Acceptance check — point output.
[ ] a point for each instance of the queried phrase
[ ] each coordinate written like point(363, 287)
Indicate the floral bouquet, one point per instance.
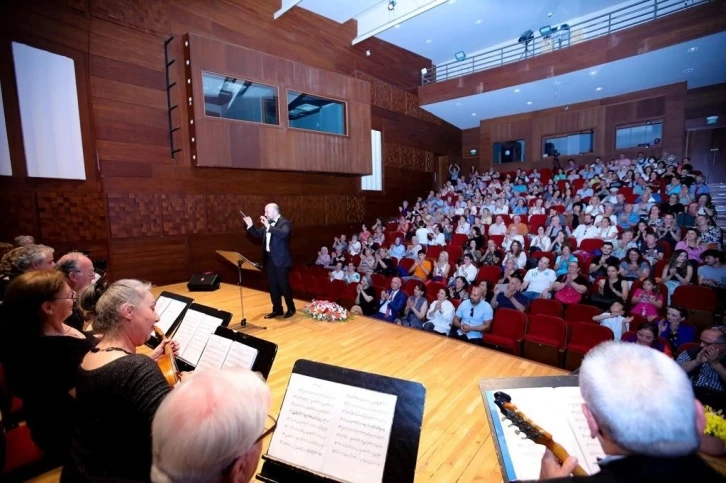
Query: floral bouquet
point(326, 311)
point(715, 423)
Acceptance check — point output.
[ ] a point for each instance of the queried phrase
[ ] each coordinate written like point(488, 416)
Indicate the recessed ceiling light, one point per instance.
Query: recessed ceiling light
point(687, 71)
point(593, 72)
point(557, 83)
point(598, 88)
point(452, 1)
point(458, 104)
point(549, 14)
point(473, 113)
point(529, 103)
point(398, 26)
point(428, 41)
point(516, 90)
point(693, 49)
point(479, 21)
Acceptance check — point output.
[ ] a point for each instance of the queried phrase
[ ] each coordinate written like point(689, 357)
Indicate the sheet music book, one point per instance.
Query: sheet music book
point(169, 309)
point(557, 410)
point(221, 352)
point(335, 429)
point(193, 333)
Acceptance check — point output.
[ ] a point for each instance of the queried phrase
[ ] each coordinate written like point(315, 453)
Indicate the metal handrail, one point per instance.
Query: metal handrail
point(622, 18)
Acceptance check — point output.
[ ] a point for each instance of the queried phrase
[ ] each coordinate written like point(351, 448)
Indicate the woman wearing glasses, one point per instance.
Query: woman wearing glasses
point(118, 390)
point(41, 354)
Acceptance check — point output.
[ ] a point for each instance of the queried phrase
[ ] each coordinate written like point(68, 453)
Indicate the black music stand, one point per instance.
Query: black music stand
point(242, 263)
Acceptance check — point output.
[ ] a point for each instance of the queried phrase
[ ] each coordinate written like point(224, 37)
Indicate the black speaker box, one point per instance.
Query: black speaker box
point(203, 282)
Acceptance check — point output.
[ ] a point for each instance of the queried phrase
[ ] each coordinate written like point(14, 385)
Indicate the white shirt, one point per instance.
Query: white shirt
point(337, 275)
point(463, 229)
point(441, 319)
point(615, 324)
point(268, 235)
point(613, 220)
point(469, 273)
point(438, 240)
point(542, 244)
point(501, 210)
point(384, 307)
point(508, 240)
point(539, 281)
point(354, 248)
point(583, 232)
point(498, 229)
point(423, 235)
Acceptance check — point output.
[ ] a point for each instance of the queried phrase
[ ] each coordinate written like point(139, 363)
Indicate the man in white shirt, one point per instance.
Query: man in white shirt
point(438, 237)
point(338, 273)
point(354, 246)
point(608, 213)
point(538, 281)
point(585, 230)
point(422, 233)
point(467, 270)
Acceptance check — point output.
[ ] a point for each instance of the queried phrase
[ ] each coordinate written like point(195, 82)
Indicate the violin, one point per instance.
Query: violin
point(531, 430)
point(167, 362)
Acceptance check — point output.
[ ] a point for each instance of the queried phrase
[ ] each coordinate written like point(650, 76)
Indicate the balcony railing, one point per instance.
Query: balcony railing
point(566, 36)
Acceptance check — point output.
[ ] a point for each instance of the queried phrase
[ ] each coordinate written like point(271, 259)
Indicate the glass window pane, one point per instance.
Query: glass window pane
point(571, 144)
point(305, 111)
point(231, 98)
point(509, 152)
point(622, 138)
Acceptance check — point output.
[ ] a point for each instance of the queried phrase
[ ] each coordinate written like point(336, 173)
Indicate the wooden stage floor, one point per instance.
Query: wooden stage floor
point(455, 441)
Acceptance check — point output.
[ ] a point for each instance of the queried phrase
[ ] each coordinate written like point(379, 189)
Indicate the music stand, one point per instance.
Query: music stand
point(242, 263)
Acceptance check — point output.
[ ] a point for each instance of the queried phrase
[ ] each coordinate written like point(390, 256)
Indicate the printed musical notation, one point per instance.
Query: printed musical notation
point(338, 430)
point(193, 333)
point(168, 310)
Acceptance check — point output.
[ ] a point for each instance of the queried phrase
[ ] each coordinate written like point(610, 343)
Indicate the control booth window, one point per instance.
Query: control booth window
point(641, 135)
point(509, 152)
point(306, 111)
point(568, 144)
point(242, 100)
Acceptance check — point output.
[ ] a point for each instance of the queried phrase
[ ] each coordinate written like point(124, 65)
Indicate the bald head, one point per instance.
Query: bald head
point(78, 270)
point(272, 211)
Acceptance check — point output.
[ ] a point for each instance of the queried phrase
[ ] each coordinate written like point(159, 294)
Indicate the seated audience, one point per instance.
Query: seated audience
point(413, 248)
point(647, 335)
point(511, 237)
point(570, 287)
point(706, 368)
point(516, 254)
point(421, 268)
point(615, 320)
point(211, 428)
point(440, 314)
point(414, 314)
point(365, 299)
point(563, 260)
point(367, 262)
point(117, 390)
point(713, 272)
point(41, 354)
point(466, 269)
point(538, 281)
point(354, 247)
point(392, 302)
point(383, 263)
point(673, 330)
point(678, 271)
point(338, 256)
point(651, 250)
point(647, 301)
point(397, 249)
point(610, 289)
point(337, 273)
point(340, 242)
point(634, 267)
point(441, 268)
point(691, 244)
point(509, 296)
point(498, 228)
point(492, 255)
point(351, 275)
point(540, 242)
point(586, 230)
point(460, 289)
point(709, 234)
point(472, 250)
point(599, 264)
point(473, 317)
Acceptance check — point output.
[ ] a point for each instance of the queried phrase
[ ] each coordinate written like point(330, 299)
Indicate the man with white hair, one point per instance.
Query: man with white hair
point(275, 234)
point(24, 240)
point(78, 270)
point(640, 406)
point(211, 427)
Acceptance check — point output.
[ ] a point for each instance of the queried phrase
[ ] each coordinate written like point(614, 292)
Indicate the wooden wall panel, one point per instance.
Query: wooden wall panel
point(706, 101)
point(161, 219)
point(691, 24)
point(601, 116)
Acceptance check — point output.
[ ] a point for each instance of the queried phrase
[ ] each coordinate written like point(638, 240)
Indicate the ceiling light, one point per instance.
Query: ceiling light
point(452, 1)
point(557, 83)
point(458, 104)
point(428, 41)
point(516, 90)
point(460, 55)
point(593, 72)
point(424, 71)
point(693, 49)
point(398, 26)
point(598, 88)
point(391, 4)
point(479, 21)
point(368, 53)
point(529, 103)
point(473, 113)
point(549, 14)
point(687, 71)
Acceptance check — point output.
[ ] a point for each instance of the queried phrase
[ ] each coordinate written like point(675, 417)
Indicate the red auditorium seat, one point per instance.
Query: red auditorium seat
point(410, 285)
point(336, 289)
point(22, 456)
point(459, 239)
point(699, 301)
point(406, 264)
point(349, 295)
point(490, 273)
point(507, 331)
point(583, 337)
point(433, 252)
point(322, 288)
point(545, 307)
point(545, 339)
point(581, 313)
point(686, 346)
point(380, 280)
point(454, 254)
point(497, 239)
point(535, 221)
point(591, 244)
point(432, 288)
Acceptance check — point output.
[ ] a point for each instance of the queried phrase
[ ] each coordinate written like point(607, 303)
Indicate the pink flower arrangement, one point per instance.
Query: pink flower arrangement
point(326, 311)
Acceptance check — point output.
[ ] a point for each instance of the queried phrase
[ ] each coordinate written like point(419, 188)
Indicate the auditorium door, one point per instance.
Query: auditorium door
point(706, 149)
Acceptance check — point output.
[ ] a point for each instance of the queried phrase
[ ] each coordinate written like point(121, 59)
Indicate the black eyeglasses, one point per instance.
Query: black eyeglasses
point(74, 296)
point(270, 425)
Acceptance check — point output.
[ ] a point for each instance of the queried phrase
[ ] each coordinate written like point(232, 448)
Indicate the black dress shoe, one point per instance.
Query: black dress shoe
point(289, 313)
point(272, 315)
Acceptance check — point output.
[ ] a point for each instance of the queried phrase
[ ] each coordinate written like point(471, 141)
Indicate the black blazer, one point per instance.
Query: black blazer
point(279, 254)
point(649, 469)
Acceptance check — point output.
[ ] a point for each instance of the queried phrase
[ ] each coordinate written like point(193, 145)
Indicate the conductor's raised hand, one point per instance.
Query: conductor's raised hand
point(246, 219)
point(264, 221)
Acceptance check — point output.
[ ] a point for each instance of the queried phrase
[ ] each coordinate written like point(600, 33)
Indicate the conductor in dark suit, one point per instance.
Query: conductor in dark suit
point(275, 234)
point(640, 405)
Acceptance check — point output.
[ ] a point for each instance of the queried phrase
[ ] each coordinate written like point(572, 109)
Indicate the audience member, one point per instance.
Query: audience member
point(417, 306)
point(713, 273)
point(673, 330)
point(440, 314)
point(365, 299)
point(570, 287)
point(615, 320)
point(538, 281)
point(706, 368)
point(460, 289)
point(473, 317)
point(337, 273)
point(392, 302)
point(647, 335)
point(509, 296)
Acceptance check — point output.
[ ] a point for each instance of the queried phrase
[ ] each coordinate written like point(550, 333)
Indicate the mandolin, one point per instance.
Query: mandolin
point(529, 429)
point(167, 362)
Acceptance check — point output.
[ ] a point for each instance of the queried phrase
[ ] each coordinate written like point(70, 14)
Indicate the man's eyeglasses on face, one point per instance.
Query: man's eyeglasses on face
point(270, 426)
point(89, 273)
point(705, 343)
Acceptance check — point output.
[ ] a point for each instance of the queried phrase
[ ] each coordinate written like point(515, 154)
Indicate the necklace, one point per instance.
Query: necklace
point(109, 349)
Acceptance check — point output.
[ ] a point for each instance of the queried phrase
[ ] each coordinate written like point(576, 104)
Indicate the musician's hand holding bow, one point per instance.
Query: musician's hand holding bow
point(159, 350)
point(551, 467)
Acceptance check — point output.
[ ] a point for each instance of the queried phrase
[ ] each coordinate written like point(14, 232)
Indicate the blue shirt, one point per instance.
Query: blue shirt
point(397, 251)
point(481, 313)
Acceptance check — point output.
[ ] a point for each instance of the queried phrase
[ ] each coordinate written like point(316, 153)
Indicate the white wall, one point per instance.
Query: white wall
point(374, 181)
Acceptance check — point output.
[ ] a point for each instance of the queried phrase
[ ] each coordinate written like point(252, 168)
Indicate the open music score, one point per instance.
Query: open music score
point(335, 429)
point(169, 310)
point(559, 412)
point(222, 353)
point(193, 333)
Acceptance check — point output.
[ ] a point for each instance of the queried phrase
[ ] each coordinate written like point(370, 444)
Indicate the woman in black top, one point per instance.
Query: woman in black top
point(609, 289)
point(117, 390)
point(365, 299)
point(41, 354)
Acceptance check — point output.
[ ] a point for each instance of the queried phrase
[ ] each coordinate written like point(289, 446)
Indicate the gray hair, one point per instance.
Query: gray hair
point(22, 258)
point(68, 263)
point(642, 398)
point(24, 240)
point(221, 414)
point(124, 292)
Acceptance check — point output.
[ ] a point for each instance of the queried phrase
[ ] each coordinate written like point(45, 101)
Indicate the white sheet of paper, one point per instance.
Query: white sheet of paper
point(187, 327)
point(169, 312)
point(215, 353)
point(240, 355)
point(195, 347)
point(338, 430)
point(554, 410)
